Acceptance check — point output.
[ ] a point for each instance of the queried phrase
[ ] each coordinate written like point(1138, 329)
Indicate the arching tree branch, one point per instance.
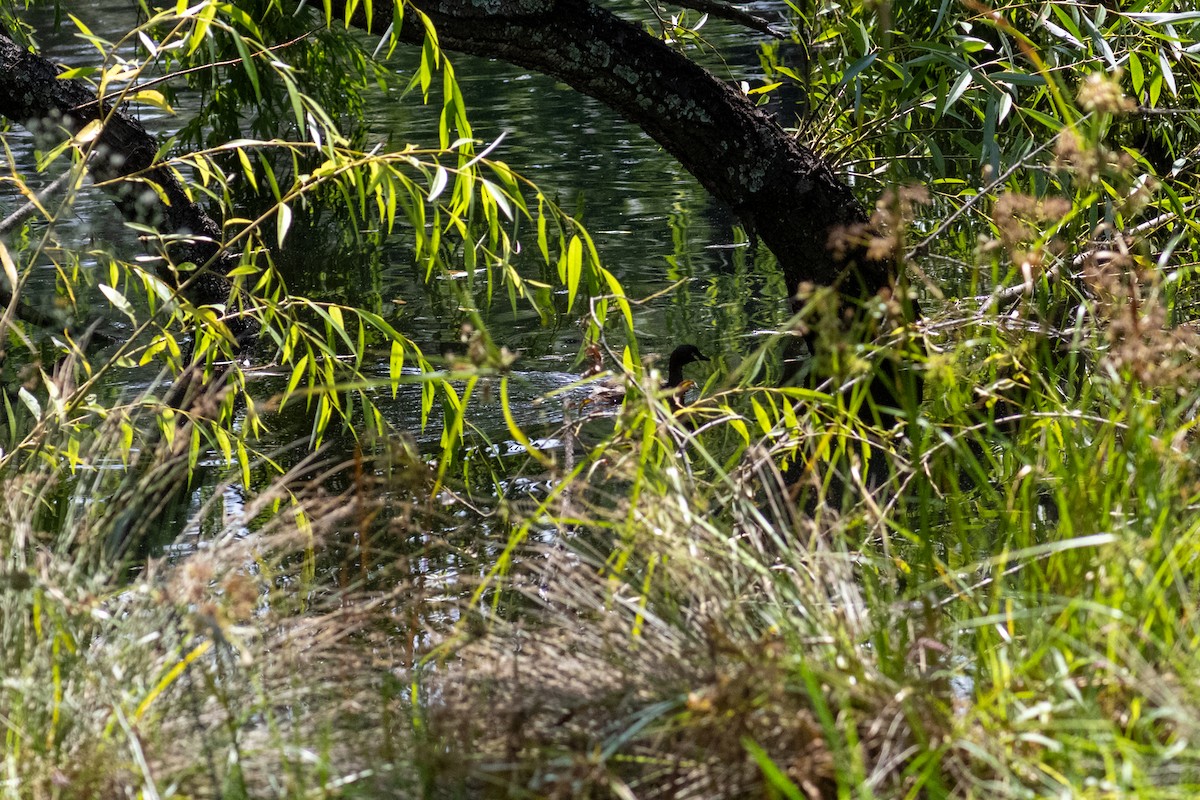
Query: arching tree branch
point(782, 191)
point(715, 8)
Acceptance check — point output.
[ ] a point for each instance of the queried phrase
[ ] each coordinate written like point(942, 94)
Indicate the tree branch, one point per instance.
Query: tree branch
point(783, 192)
point(32, 95)
point(714, 8)
point(34, 204)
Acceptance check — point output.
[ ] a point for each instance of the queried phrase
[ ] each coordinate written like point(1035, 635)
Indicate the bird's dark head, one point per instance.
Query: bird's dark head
point(680, 357)
point(687, 353)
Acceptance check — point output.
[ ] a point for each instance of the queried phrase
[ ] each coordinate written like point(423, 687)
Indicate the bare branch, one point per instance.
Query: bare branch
point(35, 203)
point(714, 8)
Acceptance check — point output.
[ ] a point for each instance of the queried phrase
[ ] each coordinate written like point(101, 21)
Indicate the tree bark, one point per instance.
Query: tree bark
point(784, 193)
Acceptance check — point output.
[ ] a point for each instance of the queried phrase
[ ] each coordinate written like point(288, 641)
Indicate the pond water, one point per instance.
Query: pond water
point(653, 225)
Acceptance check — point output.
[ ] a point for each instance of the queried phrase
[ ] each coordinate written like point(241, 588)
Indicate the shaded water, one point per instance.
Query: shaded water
point(653, 225)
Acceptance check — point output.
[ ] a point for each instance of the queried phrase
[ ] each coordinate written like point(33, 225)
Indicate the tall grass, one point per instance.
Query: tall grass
point(1009, 614)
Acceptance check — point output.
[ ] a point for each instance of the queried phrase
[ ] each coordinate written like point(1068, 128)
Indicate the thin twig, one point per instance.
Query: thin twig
point(731, 13)
point(946, 223)
point(1164, 112)
point(1004, 296)
point(35, 203)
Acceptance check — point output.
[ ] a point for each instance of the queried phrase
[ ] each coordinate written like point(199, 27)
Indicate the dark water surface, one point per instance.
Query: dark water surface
point(654, 227)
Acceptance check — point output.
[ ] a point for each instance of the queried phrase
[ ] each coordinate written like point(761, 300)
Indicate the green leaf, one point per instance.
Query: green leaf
point(543, 244)
point(396, 365)
point(194, 450)
point(298, 373)
point(84, 29)
point(1071, 37)
point(497, 194)
point(1136, 75)
point(775, 777)
point(574, 269)
point(425, 70)
point(153, 98)
point(858, 36)
point(117, 299)
point(858, 66)
point(77, 72)
point(739, 425)
point(1163, 18)
point(248, 65)
point(760, 414)
point(1167, 74)
point(297, 101)
point(956, 91)
point(30, 402)
point(1052, 123)
point(765, 89)
point(244, 463)
point(208, 12)
point(618, 291)
point(515, 429)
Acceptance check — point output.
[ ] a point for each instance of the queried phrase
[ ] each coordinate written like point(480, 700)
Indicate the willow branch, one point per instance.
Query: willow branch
point(714, 8)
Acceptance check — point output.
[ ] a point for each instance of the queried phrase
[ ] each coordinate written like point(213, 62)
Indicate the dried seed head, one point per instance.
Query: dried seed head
point(1101, 94)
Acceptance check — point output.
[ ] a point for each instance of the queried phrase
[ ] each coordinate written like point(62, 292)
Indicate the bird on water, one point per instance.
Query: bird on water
point(675, 383)
point(680, 357)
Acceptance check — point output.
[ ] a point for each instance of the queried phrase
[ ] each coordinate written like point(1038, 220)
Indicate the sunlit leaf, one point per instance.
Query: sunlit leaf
point(1167, 74)
point(1136, 75)
point(117, 299)
point(10, 268)
point(204, 18)
point(574, 269)
point(760, 414)
point(153, 98)
point(284, 213)
point(30, 402)
point(497, 194)
point(89, 132)
point(440, 178)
